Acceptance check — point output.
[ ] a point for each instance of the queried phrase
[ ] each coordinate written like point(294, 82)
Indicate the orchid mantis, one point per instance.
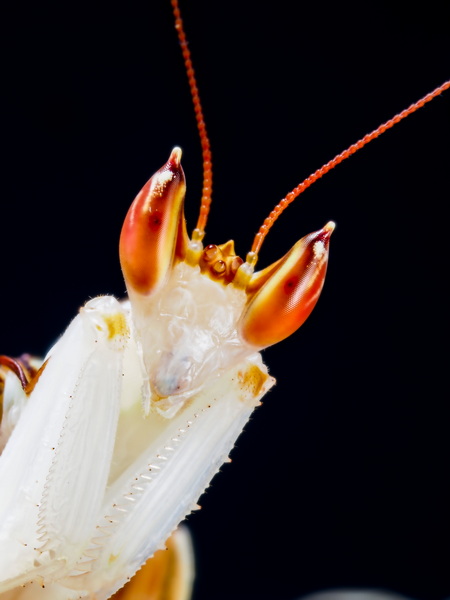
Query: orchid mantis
point(364, 208)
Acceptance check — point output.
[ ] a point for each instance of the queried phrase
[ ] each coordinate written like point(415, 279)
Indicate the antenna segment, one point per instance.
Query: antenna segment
point(284, 203)
point(204, 139)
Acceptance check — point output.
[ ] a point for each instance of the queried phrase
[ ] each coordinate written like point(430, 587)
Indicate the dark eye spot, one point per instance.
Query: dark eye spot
point(155, 220)
point(290, 284)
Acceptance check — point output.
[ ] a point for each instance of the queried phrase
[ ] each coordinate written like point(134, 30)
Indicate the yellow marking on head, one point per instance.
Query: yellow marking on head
point(252, 380)
point(117, 325)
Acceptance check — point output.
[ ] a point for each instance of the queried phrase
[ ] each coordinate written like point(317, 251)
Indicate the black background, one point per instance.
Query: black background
point(341, 477)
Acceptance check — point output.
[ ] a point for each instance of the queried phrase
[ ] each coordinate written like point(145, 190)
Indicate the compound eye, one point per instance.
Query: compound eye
point(283, 295)
point(154, 229)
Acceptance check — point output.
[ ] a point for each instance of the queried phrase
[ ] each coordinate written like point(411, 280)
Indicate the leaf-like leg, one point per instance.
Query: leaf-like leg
point(55, 465)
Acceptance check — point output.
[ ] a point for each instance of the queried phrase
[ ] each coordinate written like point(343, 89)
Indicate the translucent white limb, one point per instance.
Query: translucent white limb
point(147, 501)
point(54, 468)
point(91, 488)
point(169, 575)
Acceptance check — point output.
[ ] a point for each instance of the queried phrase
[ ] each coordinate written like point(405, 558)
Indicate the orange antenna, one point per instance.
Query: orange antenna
point(204, 139)
point(284, 203)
